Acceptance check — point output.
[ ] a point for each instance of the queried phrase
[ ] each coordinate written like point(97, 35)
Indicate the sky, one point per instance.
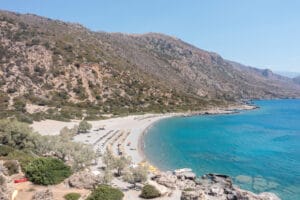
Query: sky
point(258, 33)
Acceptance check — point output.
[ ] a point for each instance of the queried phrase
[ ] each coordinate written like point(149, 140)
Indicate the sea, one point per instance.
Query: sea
point(259, 149)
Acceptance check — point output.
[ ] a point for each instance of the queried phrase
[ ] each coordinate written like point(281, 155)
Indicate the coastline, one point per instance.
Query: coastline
point(214, 111)
point(129, 131)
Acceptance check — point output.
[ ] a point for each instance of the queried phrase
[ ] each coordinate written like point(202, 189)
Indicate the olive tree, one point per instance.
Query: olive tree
point(17, 134)
point(136, 175)
point(120, 163)
point(108, 159)
point(84, 126)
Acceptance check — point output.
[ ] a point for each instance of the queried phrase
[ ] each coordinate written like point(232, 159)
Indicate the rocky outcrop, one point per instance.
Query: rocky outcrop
point(6, 187)
point(3, 169)
point(208, 187)
point(83, 180)
point(192, 195)
point(43, 195)
point(185, 174)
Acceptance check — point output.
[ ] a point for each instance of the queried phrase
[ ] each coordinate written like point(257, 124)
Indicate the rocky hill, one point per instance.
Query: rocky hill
point(54, 69)
point(297, 79)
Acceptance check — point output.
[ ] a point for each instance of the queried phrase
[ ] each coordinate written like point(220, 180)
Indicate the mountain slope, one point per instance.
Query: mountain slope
point(60, 70)
point(297, 79)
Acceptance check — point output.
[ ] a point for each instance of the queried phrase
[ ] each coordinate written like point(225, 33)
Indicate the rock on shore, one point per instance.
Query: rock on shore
point(208, 187)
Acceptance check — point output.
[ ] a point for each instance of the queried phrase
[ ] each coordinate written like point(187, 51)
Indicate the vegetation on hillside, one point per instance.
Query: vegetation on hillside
point(105, 192)
point(56, 70)
point(84, 126)
point(19, 142)
point(47, 171)
point(72, 196)
point(149, 192)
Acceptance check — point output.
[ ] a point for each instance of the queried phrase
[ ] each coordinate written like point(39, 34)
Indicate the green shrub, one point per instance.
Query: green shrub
point(105, 192)
point(47, 171)
point(72, 196)
point(5, 150)
point(17, 134)
point(84, 126)
point(149, 192)
point(12, 166)
point(24, 157)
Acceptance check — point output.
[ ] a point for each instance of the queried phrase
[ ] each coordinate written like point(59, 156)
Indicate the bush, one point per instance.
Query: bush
point(136, 175)
point(80, 155)
point(105, 192)
point(47, 171)
point(84, 126)
point(149, 192)
point(17, 134)
point(5, 150)
point(72, 196)
point(19, 142)
point(24, 157)
point(12, 166)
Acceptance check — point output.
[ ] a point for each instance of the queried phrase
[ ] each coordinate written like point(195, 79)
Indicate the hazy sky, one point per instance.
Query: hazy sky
point(260, 33)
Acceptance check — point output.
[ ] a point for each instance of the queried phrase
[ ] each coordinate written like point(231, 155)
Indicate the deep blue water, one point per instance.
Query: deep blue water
point(260, 149)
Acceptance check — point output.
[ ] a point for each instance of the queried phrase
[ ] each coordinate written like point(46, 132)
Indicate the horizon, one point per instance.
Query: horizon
point(262, 42)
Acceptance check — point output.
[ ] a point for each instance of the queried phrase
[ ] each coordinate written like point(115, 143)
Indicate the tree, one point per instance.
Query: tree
point(84, 126)
point(113, 162)
point(108, 159)
point(47, 171)
point(107, 177)
point(68, 133)
point(17, 134)
point(120, 163)
point(136, 175)
point(78, 155)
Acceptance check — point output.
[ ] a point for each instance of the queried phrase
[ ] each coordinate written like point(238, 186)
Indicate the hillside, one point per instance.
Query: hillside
point(53, 69)
point(297, 79)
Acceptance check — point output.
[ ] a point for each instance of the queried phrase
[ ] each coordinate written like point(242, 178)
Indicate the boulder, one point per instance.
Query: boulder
point(166, 179)
point(192, 195)
point(6, 187)
point(186, 184)
point(185, 173)
point(3, 169)
point(84, 180)
point(43, 195)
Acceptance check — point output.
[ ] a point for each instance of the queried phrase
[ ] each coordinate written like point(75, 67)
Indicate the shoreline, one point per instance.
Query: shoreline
point(127, 132)
point(215, 111)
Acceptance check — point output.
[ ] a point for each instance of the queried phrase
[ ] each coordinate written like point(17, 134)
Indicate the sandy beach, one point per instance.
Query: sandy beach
point(124, 135)
point(115, 133)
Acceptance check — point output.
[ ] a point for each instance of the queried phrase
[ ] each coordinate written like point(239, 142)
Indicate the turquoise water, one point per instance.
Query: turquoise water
point(260, 149)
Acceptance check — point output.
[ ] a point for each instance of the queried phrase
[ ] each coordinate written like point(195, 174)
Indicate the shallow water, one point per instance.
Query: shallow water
point(260, 149)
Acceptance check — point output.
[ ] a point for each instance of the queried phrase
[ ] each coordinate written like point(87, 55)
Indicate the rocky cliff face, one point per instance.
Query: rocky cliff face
point(54, 69)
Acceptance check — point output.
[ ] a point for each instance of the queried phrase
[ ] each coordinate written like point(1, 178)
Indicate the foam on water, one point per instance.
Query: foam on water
point(260, 149)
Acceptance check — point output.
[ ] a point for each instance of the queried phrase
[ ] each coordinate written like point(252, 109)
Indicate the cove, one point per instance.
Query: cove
point(259, 149)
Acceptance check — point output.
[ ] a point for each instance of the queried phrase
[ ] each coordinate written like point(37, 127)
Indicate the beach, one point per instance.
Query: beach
point(123, 135)
point(125, 132)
